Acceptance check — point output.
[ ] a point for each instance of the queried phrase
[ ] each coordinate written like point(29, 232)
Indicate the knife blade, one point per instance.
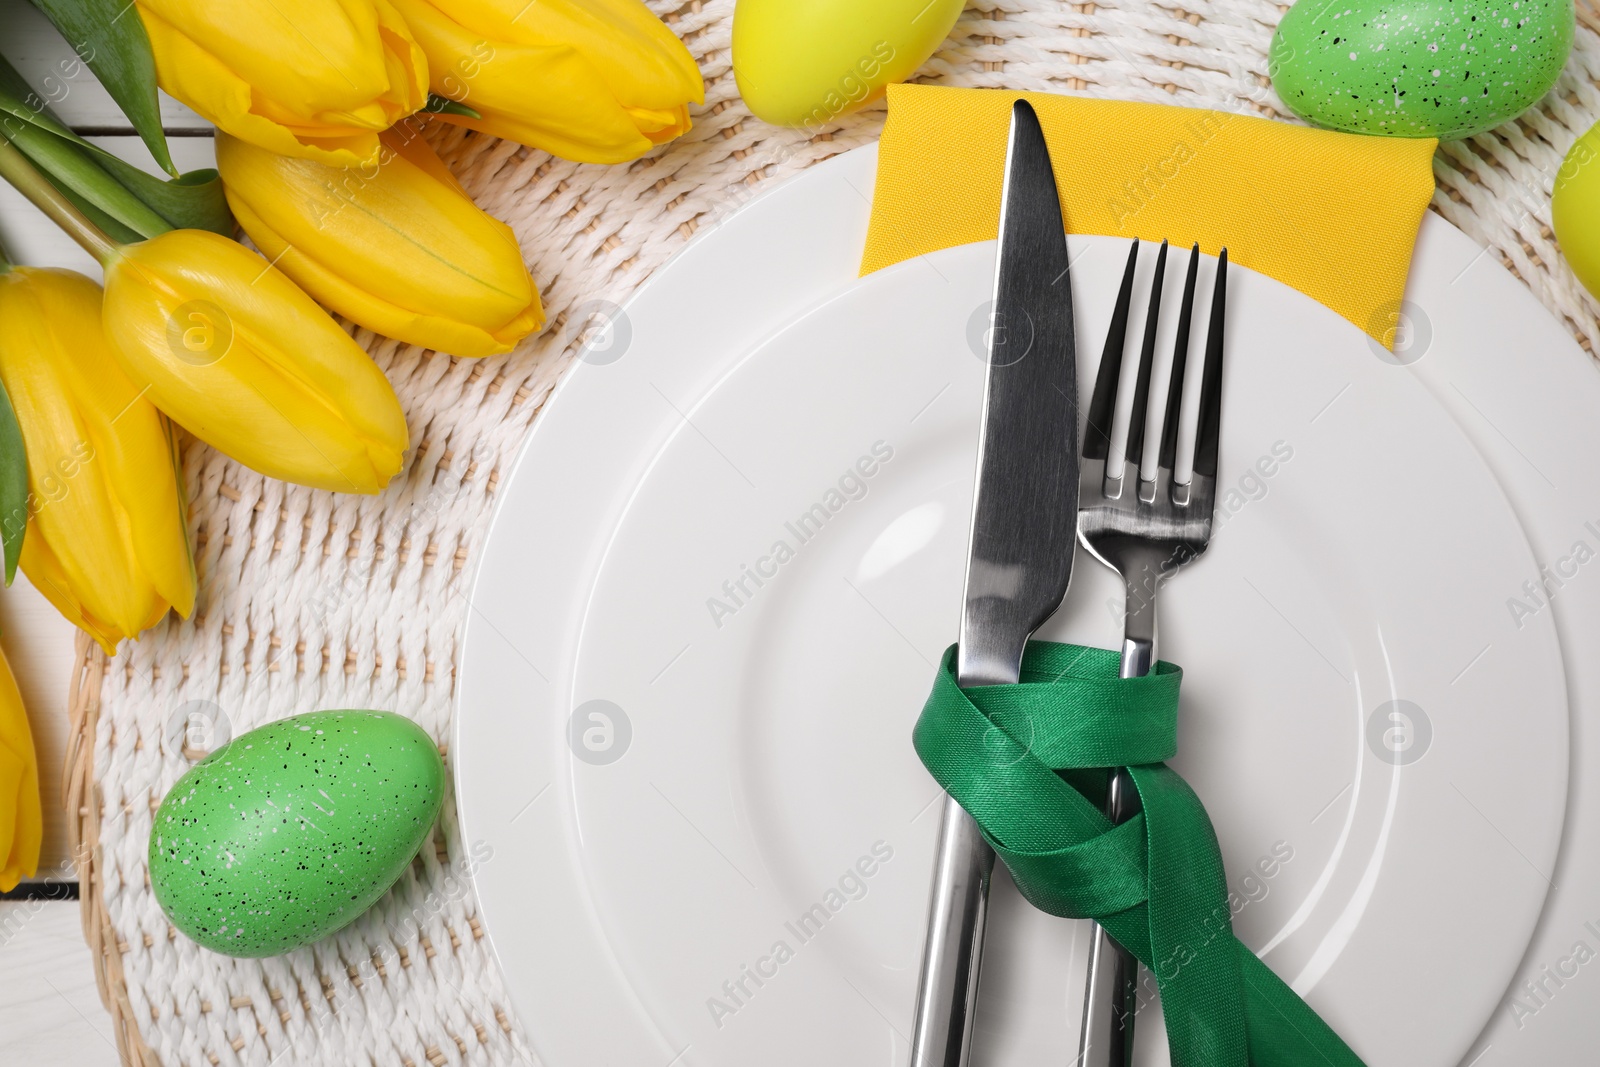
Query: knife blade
point(1023, 537)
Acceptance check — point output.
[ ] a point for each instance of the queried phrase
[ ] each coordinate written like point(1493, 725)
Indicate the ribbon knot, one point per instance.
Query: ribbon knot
point(1028, 762)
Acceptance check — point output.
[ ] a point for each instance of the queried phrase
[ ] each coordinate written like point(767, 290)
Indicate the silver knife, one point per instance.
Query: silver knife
point(1024, 528)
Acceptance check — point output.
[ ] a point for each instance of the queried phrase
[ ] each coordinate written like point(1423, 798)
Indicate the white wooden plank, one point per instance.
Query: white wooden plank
point(49, 64)
point(50, 1011)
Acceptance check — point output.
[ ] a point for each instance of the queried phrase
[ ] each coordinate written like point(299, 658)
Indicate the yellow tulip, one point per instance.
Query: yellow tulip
point(398, 247)
point(598, 81)
point(106, 540)
point(21, 821)
point(310, 79)
point(235, 353)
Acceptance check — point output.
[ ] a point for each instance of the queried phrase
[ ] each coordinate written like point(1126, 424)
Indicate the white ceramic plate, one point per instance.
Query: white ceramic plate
point(672, 771)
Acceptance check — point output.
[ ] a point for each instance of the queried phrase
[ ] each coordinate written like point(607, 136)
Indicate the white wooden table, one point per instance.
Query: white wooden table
point(50, 1012)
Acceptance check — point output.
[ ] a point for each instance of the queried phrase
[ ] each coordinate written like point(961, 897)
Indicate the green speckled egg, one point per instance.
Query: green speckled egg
point(1419, 68)
point(290, 831)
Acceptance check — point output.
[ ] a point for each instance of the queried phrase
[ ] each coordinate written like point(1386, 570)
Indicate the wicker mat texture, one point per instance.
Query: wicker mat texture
point(310, 600)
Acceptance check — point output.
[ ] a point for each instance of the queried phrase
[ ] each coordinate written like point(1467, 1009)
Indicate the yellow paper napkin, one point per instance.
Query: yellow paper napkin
point(1334, 215)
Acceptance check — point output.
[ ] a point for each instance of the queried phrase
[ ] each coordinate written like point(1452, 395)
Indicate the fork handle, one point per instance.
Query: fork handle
point(947, 990)
point(1111, 991)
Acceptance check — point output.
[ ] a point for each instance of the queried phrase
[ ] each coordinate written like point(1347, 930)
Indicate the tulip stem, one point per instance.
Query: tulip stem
point(16, 169)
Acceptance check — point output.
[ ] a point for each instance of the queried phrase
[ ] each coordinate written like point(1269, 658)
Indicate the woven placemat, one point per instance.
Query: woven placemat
point(310, 600)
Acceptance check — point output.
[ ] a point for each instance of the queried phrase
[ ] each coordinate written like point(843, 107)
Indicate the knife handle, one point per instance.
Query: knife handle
point(947, 990)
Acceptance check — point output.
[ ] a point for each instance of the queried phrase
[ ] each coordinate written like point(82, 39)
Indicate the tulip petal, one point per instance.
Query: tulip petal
point(429, 331)
point(661, 126)
point(276, 384)
point(639, 58)
point(107, 545)
point(21, 813)
point(309, 57)
point(195, 77)
point(398, 248)
point(173, 573)
point(316, 81)
point(539, 90)
point(407, 64)
point(406, 142)
point(46, 574)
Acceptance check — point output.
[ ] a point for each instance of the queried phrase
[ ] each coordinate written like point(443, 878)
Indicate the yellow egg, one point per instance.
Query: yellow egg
point(1575, 209)
point(804, 62)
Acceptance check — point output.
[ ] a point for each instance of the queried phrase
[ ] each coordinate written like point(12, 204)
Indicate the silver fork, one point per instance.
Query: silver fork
point(1144, 530)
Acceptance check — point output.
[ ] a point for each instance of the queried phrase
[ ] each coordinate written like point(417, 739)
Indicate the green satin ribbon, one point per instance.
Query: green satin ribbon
point(1029, 762)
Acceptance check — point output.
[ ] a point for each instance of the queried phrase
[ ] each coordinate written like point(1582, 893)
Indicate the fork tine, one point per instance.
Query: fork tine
point(1205, 452)
point(1103, 404)
point(1180, 356)
point(1134, 453)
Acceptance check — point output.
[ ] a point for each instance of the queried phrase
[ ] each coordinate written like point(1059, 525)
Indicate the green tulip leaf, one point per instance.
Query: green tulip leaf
point(191, 201)
point(106, 224)
point(141, 204)
point(440, 105)
point(75, 172)
point(109, 36)
point(13, 485)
